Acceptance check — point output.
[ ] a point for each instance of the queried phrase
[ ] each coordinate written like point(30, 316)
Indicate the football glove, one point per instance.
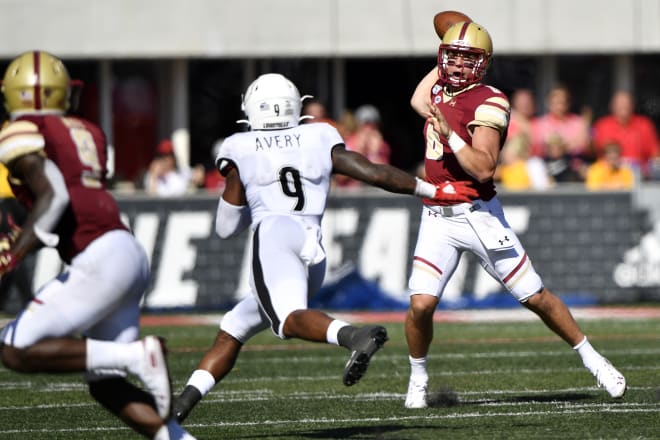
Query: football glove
point(455, 192)
point(7, 262)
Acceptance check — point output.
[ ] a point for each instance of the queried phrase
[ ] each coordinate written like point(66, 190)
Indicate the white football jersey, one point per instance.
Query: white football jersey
point(284, 172)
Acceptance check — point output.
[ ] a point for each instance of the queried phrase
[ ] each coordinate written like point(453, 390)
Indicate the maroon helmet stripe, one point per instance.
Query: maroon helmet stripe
point(37, 82)
point(464, 30)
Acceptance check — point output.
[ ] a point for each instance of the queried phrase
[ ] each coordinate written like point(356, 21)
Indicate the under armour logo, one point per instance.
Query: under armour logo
point(506, 238)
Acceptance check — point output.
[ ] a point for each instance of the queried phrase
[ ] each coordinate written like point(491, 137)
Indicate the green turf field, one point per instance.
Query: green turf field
point(505, 380)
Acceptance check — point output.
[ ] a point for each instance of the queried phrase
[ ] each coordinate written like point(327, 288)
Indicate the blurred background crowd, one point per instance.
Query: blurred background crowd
point(550, 142)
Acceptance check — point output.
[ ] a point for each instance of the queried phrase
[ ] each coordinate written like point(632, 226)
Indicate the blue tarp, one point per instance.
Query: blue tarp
point(353, 292)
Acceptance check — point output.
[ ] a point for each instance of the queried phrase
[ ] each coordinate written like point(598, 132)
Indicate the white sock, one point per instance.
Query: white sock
point(418, 368)
point(333, 329)
point(588, 354)
point(202, 380)
point(112, 355)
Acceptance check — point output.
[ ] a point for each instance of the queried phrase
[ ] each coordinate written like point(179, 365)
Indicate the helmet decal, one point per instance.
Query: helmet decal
point(272, 102)
point(36, 82)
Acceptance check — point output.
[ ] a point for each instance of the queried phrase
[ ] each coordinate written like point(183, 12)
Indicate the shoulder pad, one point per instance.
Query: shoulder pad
point(20, 138)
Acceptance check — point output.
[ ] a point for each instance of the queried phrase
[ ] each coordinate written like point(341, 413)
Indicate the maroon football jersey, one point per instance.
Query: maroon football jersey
point(473, 106)
point(78, 148)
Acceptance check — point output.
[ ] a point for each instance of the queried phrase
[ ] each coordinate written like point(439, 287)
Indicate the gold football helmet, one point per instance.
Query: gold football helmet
point(36, 82)
point(471, 42)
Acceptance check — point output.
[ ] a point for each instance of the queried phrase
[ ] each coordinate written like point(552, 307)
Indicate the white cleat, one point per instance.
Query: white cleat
point(153, 372)
point(416, 397)
point(610, 378)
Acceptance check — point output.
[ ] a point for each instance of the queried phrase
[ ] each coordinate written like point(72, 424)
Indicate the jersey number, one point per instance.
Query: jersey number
point(87, 153)
point(292, 186)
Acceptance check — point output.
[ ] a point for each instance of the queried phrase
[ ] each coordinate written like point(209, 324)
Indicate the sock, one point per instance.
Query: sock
point(202, 380)
point(588, 354)
point(172, 430)
point(162, 434)
point(418, 367)
point(112, 355)
point(332, 333)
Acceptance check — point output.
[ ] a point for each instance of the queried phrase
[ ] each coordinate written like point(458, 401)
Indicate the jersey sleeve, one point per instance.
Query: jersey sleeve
point(331, 136)
point(493, 112)
point(225, 161)
point(18, 139)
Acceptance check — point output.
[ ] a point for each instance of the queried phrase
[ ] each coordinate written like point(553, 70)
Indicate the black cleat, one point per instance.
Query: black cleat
point(367, 341)
point(182, 405)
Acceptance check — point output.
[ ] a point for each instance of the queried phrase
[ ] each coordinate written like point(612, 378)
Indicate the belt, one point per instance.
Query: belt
point(454, 210)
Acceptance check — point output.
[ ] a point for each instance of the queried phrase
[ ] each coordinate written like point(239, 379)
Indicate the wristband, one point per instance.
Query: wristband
point(455, 142)
point(424, 189)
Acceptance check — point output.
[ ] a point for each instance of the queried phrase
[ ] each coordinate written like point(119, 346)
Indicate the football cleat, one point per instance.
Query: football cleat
point(153, 372)
point(610, 378)
point(416, 396)
point(367, 341)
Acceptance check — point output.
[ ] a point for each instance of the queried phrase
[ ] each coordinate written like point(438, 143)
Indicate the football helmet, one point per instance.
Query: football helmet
point(473, 44)
point(36, 82)
point(272, 102)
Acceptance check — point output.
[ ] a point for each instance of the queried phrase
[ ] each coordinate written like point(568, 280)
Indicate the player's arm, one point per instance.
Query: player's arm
point(357, 166)
point(233, 214)
point(46, 182)
point(479, 159)
point(421, 98)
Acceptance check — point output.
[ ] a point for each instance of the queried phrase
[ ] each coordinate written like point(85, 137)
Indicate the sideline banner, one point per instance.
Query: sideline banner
point(595, 245)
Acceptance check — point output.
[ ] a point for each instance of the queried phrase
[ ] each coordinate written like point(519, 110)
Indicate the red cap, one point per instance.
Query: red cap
point(165, 147)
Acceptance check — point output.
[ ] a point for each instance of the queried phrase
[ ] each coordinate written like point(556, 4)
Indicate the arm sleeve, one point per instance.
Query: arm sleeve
point(231, 219)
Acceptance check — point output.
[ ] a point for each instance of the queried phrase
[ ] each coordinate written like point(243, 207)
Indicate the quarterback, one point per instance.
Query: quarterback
point(465, 129)
point(278, 180)
point(57, 168)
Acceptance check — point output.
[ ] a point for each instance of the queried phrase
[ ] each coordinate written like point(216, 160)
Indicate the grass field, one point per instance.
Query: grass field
point(491, 380)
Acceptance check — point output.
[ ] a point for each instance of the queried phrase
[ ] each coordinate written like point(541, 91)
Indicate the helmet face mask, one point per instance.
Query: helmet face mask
point(36, 82)
point(272, 102)
point(470, 43)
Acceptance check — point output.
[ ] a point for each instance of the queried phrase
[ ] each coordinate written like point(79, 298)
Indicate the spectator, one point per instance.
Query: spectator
point(347, 125)
point(316, 111)
point(610, 172)
point(523, 108)
point(571, 128)
point(165, 178)
point(636, 134)
point(558, 162)
point(518, 171)
point(366, 140)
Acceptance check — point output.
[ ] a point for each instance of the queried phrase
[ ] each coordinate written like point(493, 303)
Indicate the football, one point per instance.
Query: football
point(445, 19)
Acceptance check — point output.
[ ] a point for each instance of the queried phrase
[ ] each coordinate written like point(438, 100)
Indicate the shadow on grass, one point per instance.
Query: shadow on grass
point(446, 397)
point(559, 397)
point(389, 432)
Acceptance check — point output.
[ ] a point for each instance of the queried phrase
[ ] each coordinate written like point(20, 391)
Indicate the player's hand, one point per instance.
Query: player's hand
point(455, 192)
point(438, 121)
point(7, 262)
